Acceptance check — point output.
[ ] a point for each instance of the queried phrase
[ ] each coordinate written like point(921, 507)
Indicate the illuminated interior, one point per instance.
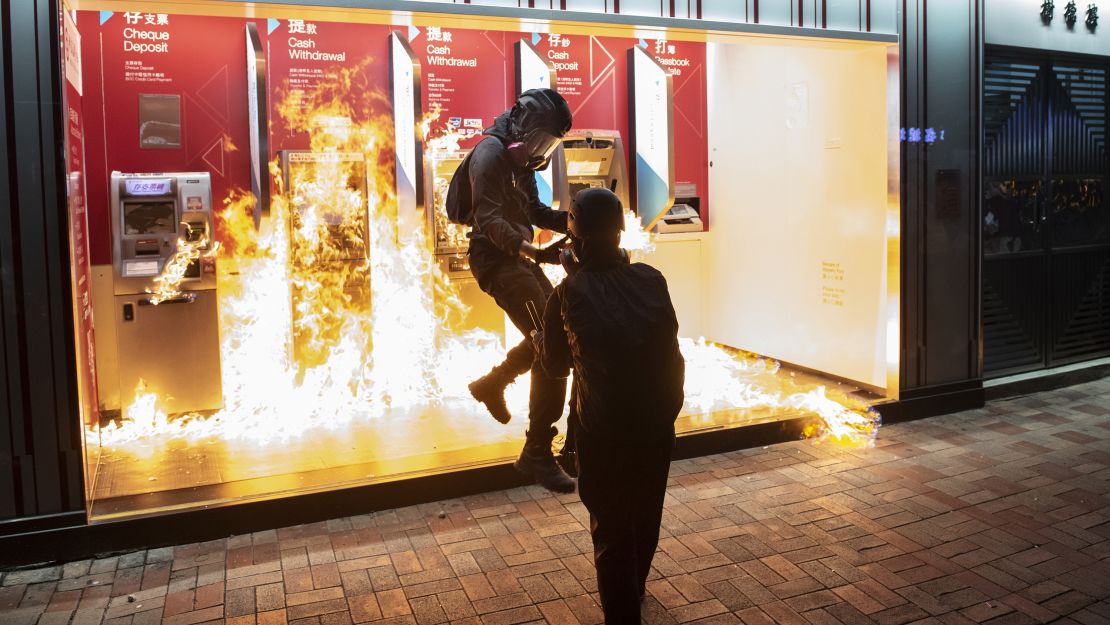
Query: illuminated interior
point(327, 339)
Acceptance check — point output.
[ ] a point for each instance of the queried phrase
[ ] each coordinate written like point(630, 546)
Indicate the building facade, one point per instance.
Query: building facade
point(829, 151)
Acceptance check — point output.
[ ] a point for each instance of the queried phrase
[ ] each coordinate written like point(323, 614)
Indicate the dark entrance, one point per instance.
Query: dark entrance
point(1046, 248)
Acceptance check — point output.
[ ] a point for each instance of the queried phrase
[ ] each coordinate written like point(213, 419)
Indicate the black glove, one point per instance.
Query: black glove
point(549, 255)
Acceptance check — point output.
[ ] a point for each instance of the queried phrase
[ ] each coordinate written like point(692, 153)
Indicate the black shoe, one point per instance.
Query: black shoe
point(490, 390)
point(569, 461)
point(542, 468)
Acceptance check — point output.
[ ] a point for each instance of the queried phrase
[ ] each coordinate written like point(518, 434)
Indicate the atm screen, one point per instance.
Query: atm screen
point(149, 218)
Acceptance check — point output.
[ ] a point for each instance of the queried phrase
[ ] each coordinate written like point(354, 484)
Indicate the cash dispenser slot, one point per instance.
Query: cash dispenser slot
point(148, 247)
point(195, 230)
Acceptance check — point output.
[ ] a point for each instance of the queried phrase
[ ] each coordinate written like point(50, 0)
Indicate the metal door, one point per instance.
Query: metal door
point(1046, 248)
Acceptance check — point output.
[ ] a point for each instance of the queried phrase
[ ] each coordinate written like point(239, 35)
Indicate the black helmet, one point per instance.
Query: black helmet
point(541, 109)
point(595, 212)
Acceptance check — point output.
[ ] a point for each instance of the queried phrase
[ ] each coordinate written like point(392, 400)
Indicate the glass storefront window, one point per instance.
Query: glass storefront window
point(248, 347)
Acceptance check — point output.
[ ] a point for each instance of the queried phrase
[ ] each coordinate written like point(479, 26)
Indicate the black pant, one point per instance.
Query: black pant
point(513, 283)
point(622, 484)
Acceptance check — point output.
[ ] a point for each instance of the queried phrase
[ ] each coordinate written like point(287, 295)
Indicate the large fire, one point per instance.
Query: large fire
point(312, 341)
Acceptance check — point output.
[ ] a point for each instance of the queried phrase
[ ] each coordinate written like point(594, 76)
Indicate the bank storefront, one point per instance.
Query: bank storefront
point(268, 316)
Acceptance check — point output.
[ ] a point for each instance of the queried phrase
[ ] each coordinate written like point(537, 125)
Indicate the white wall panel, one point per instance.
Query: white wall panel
point(777, 12)
point(586, 6)
point(884, 16)
point(500, 3)
point(643, 7)
point(796, 259)
point(844, 14)
point(727, 10)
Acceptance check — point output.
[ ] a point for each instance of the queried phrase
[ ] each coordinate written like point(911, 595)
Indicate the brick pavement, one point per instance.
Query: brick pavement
point(998, 515)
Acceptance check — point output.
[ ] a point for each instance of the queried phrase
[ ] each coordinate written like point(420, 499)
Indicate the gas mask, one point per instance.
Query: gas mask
point(594, 222)
point(571, 256)
point(534, 150)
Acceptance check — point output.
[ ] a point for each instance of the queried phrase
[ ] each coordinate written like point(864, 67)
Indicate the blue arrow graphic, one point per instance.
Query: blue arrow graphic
point(414, 32)
point(271, 25)
point(105, 16)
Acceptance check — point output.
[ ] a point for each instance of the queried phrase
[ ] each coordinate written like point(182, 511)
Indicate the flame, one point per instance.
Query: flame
point(719, 379)
point(167, 285)
point(144, 414)
point(330, 317)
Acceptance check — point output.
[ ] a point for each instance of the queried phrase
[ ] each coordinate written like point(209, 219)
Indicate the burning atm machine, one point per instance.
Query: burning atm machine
point(329, 245)
point(594, 158)
point(450, 244)
point(169, 340)
point(449, 239)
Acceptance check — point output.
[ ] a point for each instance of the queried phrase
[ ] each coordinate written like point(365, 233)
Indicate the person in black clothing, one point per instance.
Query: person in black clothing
point(506, 264)
point(613, 322)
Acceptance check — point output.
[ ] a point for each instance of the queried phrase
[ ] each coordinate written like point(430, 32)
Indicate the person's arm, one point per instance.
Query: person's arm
point(555, 353)
point(488, 179)
point(540, 214)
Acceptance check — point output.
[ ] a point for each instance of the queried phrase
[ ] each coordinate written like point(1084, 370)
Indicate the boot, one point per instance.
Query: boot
point(537, 461)
point(490, 390)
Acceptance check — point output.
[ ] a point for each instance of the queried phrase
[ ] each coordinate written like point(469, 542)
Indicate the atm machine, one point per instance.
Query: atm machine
point(450, 243)
point(594, 158)
point(683, 216)
point(172, 346)
point(340, 260)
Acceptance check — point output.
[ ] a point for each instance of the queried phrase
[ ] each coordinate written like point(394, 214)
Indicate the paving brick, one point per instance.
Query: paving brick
point(997, 515)
point(696, 611)
point(393, 603)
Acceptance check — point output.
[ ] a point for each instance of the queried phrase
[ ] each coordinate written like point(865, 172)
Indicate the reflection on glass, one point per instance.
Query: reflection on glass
point(159, 120)
point(1010, 216)
point(148, 218)
point(1078, 207)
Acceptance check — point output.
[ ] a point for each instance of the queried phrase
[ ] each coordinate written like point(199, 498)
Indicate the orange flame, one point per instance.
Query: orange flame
point(375, 337)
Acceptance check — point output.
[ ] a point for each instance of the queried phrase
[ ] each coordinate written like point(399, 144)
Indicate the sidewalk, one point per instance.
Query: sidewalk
point(1000, 515)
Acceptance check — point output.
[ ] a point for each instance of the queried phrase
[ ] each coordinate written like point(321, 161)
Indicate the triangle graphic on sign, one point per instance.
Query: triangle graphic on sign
point(642, 44)
point(596, 58)
point(105, 16)
point(214, 93)
point(414, 32)
point(535, 39)
point(699, 127)
point(500, 47)
point(214, 156)
point(271, 25)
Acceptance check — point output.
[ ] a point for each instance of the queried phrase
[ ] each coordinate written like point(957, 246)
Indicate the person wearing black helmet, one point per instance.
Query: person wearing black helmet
point(614, 323)
point(504, 261)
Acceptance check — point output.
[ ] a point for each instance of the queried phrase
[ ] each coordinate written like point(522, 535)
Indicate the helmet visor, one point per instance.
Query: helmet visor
point(540, 145)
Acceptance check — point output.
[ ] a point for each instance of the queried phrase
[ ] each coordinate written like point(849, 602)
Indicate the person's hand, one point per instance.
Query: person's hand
point(537, 340)
point(549, 254)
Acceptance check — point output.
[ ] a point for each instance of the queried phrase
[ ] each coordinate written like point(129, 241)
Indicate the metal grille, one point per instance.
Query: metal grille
point(1046, 269)
point(1013, 119)
point(1013, 322)
point(1078, 120)
point(1081, 306)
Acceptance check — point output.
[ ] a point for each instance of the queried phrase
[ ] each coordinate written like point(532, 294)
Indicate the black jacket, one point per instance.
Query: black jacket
point(506, 202)
point(615, 324)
